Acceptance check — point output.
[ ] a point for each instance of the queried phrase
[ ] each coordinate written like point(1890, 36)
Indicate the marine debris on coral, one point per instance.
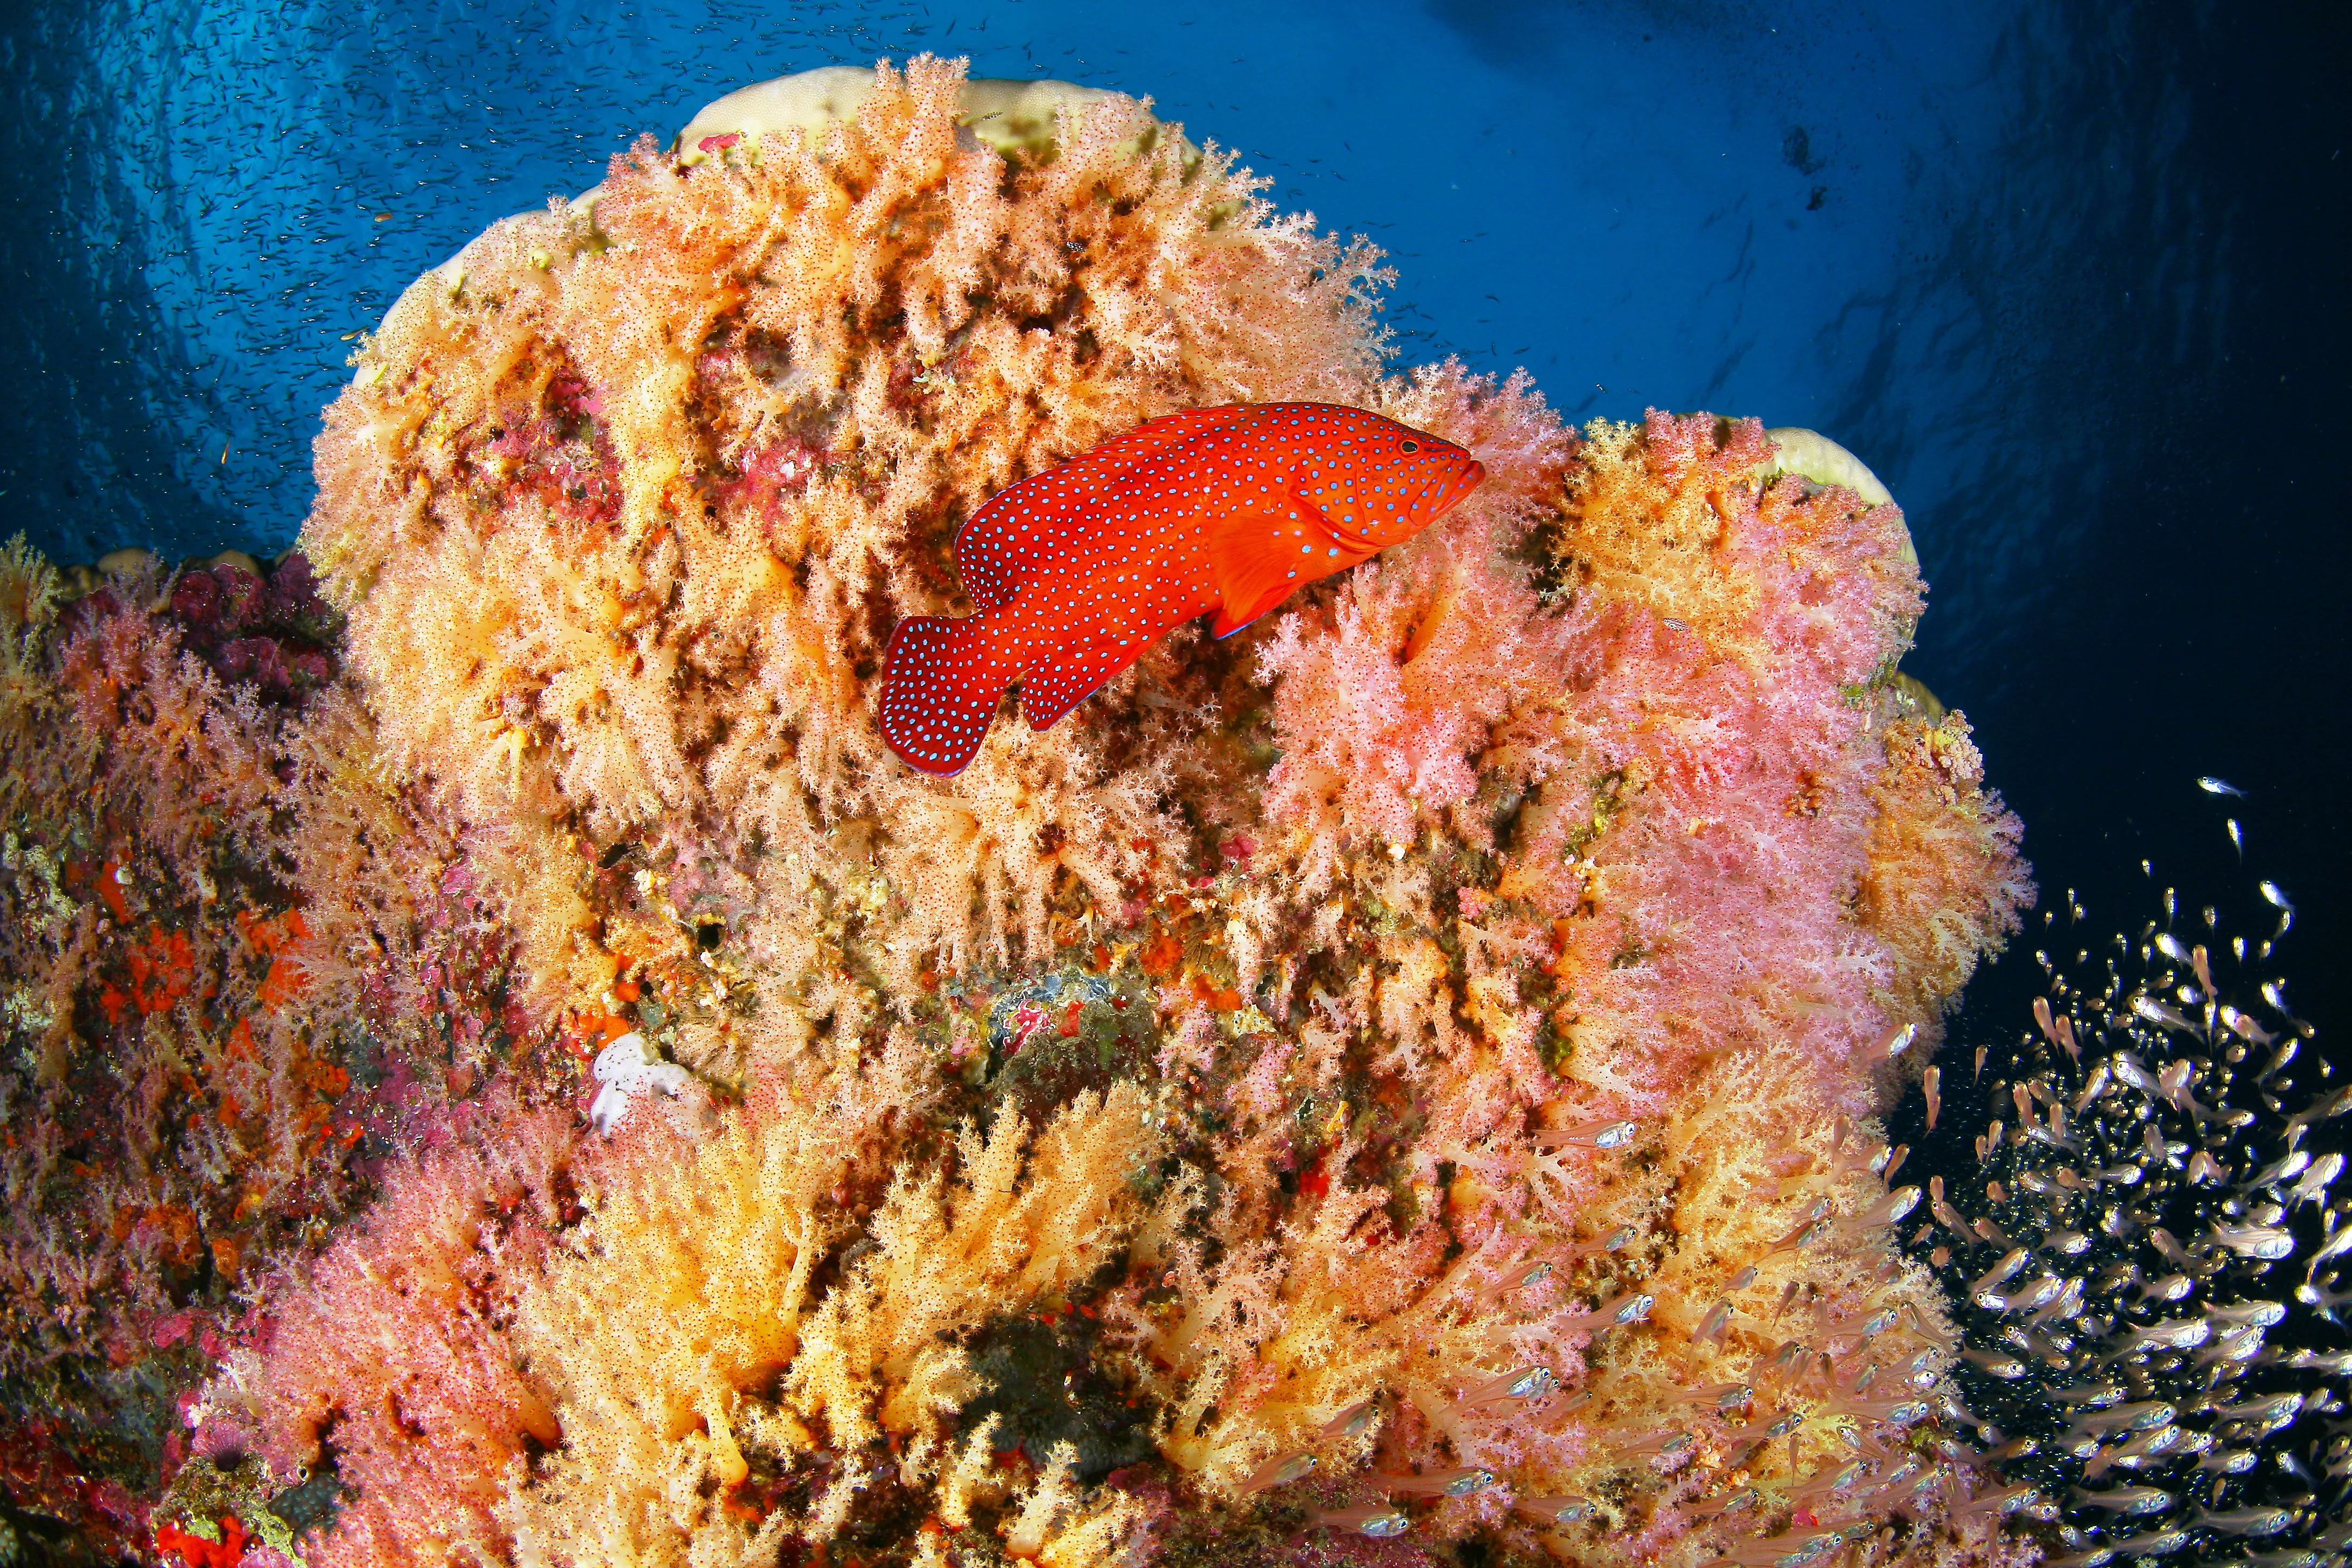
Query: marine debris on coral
point(542, 1084)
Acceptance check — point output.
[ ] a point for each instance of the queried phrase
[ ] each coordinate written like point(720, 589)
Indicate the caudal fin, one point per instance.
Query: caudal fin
point(939, 691)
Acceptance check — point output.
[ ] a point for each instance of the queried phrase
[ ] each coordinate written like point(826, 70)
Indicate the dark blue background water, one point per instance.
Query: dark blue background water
point(2070, 279)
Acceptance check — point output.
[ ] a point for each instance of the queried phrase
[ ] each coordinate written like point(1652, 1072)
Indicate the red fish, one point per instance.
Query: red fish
point(1074, 573)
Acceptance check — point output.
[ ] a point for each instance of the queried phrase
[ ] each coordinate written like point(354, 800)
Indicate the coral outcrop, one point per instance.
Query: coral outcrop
point(1425, 1047)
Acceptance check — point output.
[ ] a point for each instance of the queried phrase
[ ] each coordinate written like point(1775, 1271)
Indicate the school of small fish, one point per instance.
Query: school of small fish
point(1074, 573)
point(2146, 1266)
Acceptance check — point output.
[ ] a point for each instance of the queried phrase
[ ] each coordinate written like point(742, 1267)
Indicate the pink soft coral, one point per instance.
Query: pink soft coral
point(1733, 772)
point(1391, 694)
point(395, 1347)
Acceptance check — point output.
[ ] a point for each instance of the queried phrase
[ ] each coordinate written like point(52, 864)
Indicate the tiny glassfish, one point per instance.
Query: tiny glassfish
point(2156, 1012)
point(2312, 1187)
point(1458, 1482)
point(2179, 1334)
point(2007, 1500)
point(2252, 1315)
point(2011, 1262)
point(2128, 1500)
point(1278, 1471)
point(2141, 1415)
point(2268, 1242)
point(2247, 1520)
point(2337, 1243)
point(1716, 1321)
point(2245, 1029)
point(2324, 1302)
point(2321, 1110)
point(2152, 1544)
point(1889, 1210)
point(1725, 1396)
point(1554, 1510)
point(1946, 1214)
point(1378, 1519)
point(2039, 1293)
point(2243, 1344)
point(1353, 1422)
point(1994, 1364)
point(1665, 1442)
point(1590, 1135)
point(1527, 1383)
point(2271, 1413)
point(2066, 1038)
point(2089, 1393)
point(2228, 1461)
point(2212, 785)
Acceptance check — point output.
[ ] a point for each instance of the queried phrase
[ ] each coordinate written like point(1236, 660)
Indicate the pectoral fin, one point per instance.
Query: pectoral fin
point(1258, 561)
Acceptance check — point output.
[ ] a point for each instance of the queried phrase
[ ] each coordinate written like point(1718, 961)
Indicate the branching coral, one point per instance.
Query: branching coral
point(624, 502)
point(657, 1352)
point(1424, 1047)
point(1944, 884)
point(210, 926)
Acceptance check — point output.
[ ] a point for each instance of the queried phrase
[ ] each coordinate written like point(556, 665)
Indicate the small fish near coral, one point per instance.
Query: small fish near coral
point(1073, 571)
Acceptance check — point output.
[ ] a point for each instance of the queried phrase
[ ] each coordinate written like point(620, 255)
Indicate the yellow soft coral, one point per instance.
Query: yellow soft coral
point(1941, 889)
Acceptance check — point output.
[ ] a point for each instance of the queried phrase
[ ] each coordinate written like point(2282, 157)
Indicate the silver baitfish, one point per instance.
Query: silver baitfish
point(2149, 1331)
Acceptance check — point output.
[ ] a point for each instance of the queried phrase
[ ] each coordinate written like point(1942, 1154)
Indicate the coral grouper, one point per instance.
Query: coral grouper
point(1073, 573)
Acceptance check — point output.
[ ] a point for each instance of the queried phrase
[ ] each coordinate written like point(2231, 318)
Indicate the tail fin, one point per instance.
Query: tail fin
point(941, 689)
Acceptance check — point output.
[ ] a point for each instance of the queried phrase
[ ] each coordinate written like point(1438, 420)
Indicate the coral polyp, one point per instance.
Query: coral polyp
point(1406, 1079)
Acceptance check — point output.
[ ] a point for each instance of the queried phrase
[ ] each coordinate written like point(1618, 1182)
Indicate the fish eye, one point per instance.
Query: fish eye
point(1413, 446)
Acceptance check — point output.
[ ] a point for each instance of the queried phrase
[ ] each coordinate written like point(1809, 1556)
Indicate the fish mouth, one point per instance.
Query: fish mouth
point(1457, 492)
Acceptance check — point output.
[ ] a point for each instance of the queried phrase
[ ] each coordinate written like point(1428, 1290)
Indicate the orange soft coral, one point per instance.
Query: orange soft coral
point(1944, 884)
point(624, 505)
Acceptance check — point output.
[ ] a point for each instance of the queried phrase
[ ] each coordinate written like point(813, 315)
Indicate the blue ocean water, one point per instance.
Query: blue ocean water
point(2070, 278)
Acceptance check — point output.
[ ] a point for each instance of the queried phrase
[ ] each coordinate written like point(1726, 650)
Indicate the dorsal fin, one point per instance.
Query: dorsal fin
point(1261, 560)
point(987, 558)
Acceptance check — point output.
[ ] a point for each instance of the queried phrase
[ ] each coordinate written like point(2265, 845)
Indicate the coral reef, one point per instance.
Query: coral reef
point(1411, 1067)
